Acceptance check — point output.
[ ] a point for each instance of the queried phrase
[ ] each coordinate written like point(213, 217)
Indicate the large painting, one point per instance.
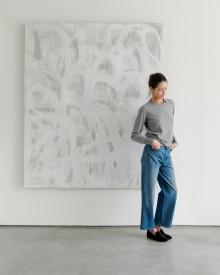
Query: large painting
point(84, 83)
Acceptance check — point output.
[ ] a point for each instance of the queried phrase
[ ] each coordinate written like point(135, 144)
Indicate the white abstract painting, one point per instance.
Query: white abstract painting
point(84, 83)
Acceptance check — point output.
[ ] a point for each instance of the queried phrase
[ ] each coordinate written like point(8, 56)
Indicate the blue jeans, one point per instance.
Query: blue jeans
point(156, 165)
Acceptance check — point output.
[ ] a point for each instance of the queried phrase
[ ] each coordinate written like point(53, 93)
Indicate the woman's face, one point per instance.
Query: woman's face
point(160, 90)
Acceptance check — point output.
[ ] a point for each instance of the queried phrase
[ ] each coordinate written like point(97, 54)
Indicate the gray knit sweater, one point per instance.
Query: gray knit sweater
point(158, 120)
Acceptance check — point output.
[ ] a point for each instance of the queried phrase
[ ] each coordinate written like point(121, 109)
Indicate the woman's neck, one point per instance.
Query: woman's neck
point(157, 101)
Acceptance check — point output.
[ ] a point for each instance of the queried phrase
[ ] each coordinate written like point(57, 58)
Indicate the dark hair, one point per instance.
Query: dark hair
point(155, 79)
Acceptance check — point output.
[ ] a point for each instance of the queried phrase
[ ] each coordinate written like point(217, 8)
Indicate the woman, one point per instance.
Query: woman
point(157, 115)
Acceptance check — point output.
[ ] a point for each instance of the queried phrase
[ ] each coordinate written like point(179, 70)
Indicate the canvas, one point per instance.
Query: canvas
point(84, 83)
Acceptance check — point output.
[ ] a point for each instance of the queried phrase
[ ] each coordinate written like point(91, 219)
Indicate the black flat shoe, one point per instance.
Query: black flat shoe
point(165, 235)
point(157, 237)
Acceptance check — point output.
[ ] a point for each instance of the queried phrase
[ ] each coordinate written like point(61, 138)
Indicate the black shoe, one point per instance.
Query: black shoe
point(157, 237)
point(164, 234)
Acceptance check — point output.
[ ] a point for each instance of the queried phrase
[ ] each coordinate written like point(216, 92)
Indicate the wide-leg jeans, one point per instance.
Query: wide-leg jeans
point(156, 165)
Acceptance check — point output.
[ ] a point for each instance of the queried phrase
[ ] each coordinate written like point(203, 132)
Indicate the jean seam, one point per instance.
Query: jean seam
point(163, 208)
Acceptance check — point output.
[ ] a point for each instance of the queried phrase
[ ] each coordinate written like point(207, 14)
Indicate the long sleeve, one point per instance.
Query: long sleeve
point(137, 128)
point(174, 137)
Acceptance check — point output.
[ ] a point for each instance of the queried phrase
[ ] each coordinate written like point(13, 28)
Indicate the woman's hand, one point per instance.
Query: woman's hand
point(155, 144)
point(173, 145)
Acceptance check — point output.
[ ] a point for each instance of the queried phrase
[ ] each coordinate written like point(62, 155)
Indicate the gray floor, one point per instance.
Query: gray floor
point(28, 250)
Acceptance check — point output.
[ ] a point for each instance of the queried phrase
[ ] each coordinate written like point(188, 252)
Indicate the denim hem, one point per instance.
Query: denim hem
point(146, 228)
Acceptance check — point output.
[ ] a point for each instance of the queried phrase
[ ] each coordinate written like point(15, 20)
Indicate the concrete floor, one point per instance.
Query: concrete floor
point(33, 250)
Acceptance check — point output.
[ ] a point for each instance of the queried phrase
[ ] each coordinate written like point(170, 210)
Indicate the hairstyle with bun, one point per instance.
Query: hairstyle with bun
point(154, 80)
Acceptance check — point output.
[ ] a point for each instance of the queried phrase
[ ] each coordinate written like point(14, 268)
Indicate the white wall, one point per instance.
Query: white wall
point(190, 62)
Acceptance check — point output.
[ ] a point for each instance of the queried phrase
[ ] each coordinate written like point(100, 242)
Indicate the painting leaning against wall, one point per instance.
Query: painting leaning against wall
point(84, 83)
